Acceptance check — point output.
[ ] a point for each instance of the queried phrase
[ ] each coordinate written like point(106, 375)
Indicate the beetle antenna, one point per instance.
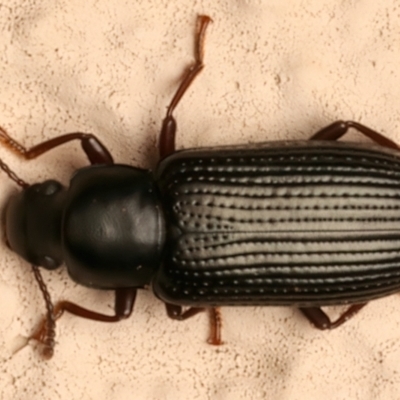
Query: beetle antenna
point(50, 331)
point(7, 141)
point(12, 175)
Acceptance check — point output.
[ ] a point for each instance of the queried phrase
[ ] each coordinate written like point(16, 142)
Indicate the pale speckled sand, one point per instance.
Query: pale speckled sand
point(274, 70)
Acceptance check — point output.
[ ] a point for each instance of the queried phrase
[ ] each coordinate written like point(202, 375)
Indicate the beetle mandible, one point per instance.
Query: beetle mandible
point(304, 223)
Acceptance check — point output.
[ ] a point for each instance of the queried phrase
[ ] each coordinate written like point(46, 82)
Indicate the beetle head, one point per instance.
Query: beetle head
point(33, 223)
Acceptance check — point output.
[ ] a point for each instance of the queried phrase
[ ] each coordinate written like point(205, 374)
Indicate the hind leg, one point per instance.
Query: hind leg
point(338, 129)
point(320, 319)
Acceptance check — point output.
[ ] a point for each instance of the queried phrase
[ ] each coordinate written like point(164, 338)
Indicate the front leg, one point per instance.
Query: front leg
point(45, 332)
point(96, 152)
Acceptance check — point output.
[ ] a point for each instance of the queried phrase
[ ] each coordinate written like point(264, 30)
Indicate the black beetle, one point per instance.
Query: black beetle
point(302, 224)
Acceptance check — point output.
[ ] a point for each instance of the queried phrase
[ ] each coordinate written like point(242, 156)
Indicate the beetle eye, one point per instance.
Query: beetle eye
point(49, 187)
point(48, 262)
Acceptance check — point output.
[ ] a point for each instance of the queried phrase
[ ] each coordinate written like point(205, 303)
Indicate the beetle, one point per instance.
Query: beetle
point(302, 223)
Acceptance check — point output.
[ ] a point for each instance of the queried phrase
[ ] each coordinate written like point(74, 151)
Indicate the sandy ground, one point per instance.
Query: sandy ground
point(274, 70)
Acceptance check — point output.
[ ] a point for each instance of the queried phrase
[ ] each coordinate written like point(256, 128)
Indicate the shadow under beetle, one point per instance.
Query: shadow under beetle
point(305, 224)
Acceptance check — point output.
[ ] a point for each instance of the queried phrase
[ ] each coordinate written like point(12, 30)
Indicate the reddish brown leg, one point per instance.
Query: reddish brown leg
point(320, 320)
point(168, 130)
point(123, 306)
point(177, 313)
point(96, 152)
point(216, 326)
point(337, 129)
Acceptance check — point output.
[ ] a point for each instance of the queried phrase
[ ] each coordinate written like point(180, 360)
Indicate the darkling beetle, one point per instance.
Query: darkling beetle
point(304, 224)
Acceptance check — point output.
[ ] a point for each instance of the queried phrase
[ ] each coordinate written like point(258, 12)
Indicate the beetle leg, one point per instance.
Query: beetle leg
point(320, 320)
point(123, 306)
point(168, 130)
point(216, 326)
point(337, 129)
point(96, 152)
point(177, 313)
